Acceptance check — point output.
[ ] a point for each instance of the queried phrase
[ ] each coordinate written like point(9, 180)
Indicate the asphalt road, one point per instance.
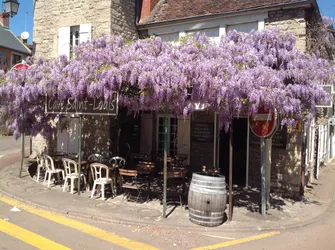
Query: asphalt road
point(318, 236)
point(32, 228)
point(8, 144)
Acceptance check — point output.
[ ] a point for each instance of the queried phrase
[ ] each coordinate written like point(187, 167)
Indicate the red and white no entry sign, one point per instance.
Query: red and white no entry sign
point(20, 66)
point(264, 122)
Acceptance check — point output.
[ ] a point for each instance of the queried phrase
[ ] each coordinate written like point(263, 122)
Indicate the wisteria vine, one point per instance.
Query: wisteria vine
point(235, 77)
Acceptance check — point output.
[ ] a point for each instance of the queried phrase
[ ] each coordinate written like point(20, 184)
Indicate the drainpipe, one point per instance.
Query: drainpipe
point(138, 6)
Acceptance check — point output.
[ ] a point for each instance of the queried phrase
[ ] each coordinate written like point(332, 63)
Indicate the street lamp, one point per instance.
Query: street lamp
point(11, 8)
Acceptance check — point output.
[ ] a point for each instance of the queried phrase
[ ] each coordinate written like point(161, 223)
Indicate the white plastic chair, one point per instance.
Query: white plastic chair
point(71, 171)
point(96, 157)
point(100, 179)
point(118, 161)
point(40, 166)
point(50, 169)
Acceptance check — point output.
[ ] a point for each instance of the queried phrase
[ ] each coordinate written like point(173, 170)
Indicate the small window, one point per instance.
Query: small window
point(74, 38)
point(243, 27)
point(212, 33)
point(172, 136)
point(16, 59)
point(169, 37)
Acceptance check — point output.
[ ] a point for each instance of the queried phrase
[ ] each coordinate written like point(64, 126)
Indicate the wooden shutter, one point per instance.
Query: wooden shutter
point(85, 32)
point(64, 41)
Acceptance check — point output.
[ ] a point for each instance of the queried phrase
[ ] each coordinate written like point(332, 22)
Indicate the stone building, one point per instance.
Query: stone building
point(59, 26)
point(56, 21)
point(174, 19)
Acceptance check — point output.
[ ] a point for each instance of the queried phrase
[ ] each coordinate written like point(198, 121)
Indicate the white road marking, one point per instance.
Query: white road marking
point(220, 237)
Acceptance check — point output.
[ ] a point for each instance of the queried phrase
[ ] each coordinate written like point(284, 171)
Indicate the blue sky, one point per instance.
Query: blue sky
point(17, 23)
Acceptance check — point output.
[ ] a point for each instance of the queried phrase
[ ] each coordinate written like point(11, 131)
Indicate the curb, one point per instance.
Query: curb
point(99, 219)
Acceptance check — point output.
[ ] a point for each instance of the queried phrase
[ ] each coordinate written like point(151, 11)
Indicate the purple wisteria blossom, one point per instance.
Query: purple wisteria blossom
point(235, 77)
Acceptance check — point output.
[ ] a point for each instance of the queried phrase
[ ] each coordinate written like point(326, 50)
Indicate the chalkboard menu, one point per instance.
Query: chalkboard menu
point(279, 138)
point(202, 132)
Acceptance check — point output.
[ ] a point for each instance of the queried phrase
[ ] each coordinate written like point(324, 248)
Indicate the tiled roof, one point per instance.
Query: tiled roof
point(10, 41)
point(175, 9)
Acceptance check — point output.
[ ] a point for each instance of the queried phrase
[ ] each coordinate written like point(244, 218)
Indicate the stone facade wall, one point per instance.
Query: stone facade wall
point(286, 162)
point(96, 135)
point(285, 166)
point(123, 19)
point(290, 20)
point(111, 17)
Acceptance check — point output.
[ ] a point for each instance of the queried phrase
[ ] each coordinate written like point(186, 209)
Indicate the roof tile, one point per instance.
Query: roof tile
point(176, 9)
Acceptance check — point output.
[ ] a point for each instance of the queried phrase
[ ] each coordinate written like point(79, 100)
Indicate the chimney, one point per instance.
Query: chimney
point(4, 19)
point(147, 7)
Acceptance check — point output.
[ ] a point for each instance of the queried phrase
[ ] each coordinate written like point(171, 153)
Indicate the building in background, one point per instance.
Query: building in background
point(12, 49)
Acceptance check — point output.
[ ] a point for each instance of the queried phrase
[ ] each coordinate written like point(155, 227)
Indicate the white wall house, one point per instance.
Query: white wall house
point(214, 28)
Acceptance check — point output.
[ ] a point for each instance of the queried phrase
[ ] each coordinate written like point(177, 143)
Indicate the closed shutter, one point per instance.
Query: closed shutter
point(184, 130)
point(64, 41)
point(85, 31)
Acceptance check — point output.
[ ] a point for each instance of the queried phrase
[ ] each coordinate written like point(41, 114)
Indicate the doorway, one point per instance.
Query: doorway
point(240, 128)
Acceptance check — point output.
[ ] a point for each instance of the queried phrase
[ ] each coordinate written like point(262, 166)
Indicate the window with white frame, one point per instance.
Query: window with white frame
point(68, 38)
point(212, 33)
point(170, 37)
point(172, 135)
point(74, 38)
point(71, 36)
point(242, 27)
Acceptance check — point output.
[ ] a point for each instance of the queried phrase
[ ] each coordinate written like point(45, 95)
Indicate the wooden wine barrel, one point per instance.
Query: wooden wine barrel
point(207, 199)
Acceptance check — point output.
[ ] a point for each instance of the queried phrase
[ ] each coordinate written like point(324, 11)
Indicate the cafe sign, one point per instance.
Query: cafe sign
point(88, 106)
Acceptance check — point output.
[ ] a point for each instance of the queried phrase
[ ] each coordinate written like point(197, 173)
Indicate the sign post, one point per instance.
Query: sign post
point(165, 158)
point(263, 124)
point(23, 66)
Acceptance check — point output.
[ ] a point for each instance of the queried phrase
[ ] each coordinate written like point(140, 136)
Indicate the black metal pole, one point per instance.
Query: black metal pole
point(263, 192)
point(230, 216)
point(165, 160)
point(79, 150)
point(22, 143)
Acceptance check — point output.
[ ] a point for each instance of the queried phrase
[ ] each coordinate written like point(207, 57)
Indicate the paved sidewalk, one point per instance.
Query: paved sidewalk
point(283, 214)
